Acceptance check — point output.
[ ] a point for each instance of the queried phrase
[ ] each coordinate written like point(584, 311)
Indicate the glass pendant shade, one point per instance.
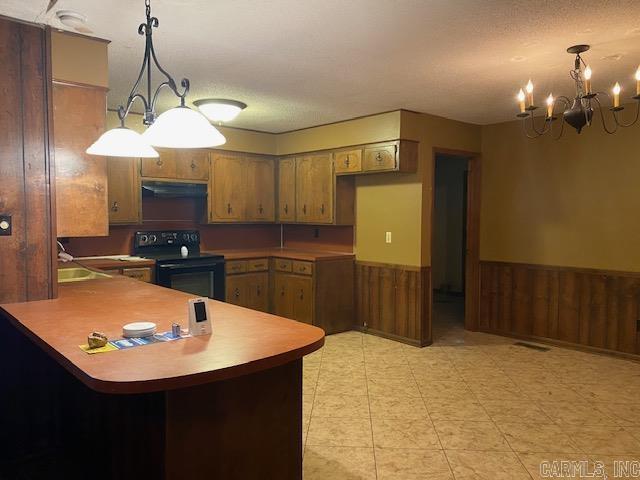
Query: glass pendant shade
point(122, 142)
point(219, 110)
point(182, 127)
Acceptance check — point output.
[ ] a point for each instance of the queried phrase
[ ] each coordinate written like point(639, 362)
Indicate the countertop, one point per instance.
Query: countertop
point(106, 263)
point(243, 341)
point(294, 254)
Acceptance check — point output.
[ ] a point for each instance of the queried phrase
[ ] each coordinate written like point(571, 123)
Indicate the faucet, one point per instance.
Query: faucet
point(63, 255)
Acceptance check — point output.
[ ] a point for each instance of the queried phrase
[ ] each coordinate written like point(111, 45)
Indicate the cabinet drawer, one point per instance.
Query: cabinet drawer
point(304, 268)
point(282, 265)
point(142, 274)
point(379, 158)
point(258, 265)
point(349, 161)
point(236, 266)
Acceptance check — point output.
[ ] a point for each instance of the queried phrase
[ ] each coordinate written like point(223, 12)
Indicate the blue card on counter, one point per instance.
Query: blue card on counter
point(124, 343)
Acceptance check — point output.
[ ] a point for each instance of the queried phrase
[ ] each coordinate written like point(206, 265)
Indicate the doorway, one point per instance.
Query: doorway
point(454, 244)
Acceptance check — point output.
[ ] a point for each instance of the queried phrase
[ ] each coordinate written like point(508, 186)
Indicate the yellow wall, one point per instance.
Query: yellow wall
point(80, 59)
point(433, 132)
point(571, 202)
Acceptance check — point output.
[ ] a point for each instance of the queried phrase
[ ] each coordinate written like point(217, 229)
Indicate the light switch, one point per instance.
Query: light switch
point(387, 237)
point(5, 225)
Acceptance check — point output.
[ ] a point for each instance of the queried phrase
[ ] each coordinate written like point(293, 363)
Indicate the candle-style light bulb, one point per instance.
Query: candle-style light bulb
point(550, 101)
point(529, 89)
point(521, 98)
point(616, 95)
point(587, 79)
point(638, 81)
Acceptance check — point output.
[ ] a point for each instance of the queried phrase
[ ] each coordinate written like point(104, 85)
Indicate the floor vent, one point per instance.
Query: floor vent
point(532, 347)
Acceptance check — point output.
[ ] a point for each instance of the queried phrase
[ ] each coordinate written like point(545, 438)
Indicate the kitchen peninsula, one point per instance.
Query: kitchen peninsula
point(226, 405)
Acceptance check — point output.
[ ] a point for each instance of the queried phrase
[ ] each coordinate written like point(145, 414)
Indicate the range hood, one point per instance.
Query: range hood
point(173, 189)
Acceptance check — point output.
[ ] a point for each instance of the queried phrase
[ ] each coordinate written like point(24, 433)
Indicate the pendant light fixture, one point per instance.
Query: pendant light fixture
point(580, 111)
point(179, 127)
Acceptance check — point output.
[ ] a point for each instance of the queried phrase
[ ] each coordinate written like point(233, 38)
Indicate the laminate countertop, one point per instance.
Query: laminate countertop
point(291, 253)
point(243, 341)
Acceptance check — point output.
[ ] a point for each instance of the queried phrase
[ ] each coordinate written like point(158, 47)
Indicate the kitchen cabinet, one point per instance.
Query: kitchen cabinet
point(144, 274)
point(348, 161)
point(260, 204)
point(287, 190)
point(124, 190)
point(227, 194)
point(177, 164)
point(293, 297)
point(395, 156)
point(81, 179)
point(247, 283)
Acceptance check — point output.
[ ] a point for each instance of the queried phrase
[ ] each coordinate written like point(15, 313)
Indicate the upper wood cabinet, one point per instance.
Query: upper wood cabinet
point(260, 189)
point(395, 156)
point(287, 190)
point(124, 190)
point(227, 193)
point(179, 164)
point(81, 179)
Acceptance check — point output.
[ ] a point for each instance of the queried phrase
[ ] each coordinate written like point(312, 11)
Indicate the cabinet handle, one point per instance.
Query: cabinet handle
point(379, 157)
point(258, 290)
point(346, 162)
point(322, 208)
point(115, 207)
point(159, 162)
point(260, 209)
point(193, 166)
point(304, 209)
point(282, 292)
point(229, 208)
point(237, 293)
point(286, 208)
point(301, 294)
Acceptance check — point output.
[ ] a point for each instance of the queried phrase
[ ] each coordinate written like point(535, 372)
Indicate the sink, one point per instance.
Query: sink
point(75, 274)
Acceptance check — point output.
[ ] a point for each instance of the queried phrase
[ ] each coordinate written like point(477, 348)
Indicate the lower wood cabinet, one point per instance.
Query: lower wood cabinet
point(144, 274)
point(247, 284)
point(293, 297)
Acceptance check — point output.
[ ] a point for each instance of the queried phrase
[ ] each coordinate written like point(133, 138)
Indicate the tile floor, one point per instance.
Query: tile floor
point(472, 406)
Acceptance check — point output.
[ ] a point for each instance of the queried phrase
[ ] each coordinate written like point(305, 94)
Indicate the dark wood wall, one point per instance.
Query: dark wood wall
point(394, 301)
point(592, 308)
point(26, 191)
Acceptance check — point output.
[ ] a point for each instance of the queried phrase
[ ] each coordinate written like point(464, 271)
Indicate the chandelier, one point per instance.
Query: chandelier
point(578, 112)
point(179, 127)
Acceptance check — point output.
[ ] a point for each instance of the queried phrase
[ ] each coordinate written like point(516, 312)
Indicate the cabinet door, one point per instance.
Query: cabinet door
point(226, 198)
point(144, 274)
point(314, 189)
point(257, 285)
point(382, 157)
point(192, 164)
point(236, 290)
point(162, 167)
point(348, 161)
point(123, 185)
point(282, 301)
point(302, 293)
point(260, 190)
point(287, 190)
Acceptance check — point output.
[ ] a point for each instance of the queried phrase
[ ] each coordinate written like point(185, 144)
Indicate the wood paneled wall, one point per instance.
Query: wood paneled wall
point(593, 308)
point(27, 269)
point(394, 301)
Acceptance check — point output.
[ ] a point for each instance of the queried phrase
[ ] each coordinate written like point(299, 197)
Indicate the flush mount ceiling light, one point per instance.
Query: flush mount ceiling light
point(577, 112)
point(220, 109)
point(179, 127)
point(72, 19)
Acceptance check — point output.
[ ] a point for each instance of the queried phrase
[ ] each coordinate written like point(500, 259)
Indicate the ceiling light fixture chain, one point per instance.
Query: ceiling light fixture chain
point(149, 102)
point(579, 112)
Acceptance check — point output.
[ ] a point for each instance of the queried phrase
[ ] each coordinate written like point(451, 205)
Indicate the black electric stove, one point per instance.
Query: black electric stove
point(191, 271)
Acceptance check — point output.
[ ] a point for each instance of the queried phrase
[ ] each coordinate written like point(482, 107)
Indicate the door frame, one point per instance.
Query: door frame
point(472, 258)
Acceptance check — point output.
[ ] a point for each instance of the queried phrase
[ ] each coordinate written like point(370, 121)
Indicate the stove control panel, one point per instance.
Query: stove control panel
point(167, 238)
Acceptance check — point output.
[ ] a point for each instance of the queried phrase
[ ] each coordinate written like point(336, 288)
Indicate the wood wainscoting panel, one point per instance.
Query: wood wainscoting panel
point(394, 301)
point(592, 308)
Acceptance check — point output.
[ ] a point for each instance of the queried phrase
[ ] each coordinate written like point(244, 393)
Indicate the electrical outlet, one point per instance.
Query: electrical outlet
point(387, 237)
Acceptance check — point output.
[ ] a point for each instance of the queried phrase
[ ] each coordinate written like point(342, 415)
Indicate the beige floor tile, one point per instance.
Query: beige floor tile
point(444, 390)
point(389, 387)
point(541, 466)
point(404, 433)
point(435, 372)
point(337, 368)
point(535, 437)
point(337, 406)
point(506, 411)
point(398, 464)
point(397, 406)
point(340, 432)
point(338, 463)
point(444, 409)
point(470, 435)
point(497, 391)
point(575, 413)
point(345, 386)
point(625, 414)
point(546, 392)
point(307, 405)
point(605, 393)
point(486, 465)
point(388, 371)
point(604, 440)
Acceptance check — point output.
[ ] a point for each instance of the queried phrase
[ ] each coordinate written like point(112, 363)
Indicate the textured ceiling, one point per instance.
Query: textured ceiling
point(299, 63)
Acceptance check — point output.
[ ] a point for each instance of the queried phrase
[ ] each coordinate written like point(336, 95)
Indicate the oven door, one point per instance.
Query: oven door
point(204, 280)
